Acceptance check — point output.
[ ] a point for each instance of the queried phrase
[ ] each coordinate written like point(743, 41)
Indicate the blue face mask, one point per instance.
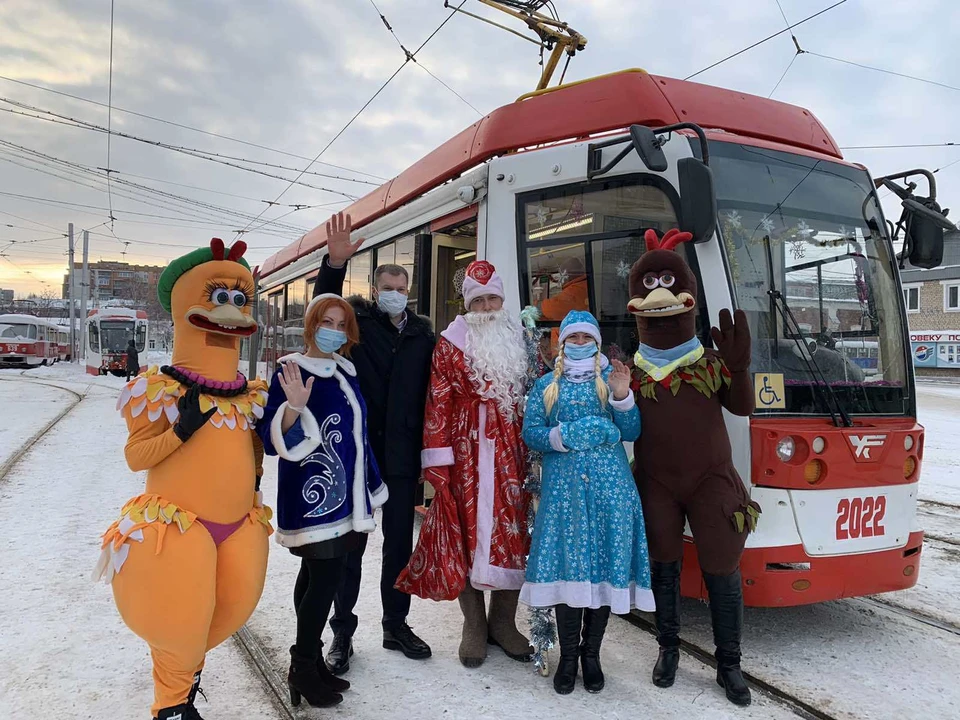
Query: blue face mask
point(392, 302)
point(579, 352)
point(329, 340)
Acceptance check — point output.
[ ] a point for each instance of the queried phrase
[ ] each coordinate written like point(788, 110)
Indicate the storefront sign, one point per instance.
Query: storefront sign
point(936, 349)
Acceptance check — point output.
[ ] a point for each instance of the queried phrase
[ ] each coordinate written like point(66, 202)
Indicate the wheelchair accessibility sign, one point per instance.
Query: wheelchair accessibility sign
point(769, 391)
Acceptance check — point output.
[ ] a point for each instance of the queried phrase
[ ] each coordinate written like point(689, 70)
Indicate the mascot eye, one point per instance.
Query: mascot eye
point(238, 298)
point(650, 281)
point(220, 296)
point(667, 279)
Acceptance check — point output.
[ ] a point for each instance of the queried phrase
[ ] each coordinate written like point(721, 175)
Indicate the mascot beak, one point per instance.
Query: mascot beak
point(662, 303)
point(222, 320)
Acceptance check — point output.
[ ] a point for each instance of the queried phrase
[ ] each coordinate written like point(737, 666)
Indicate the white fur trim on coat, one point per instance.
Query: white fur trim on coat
point(311, 432)
point(623, 405)
point(436, 457)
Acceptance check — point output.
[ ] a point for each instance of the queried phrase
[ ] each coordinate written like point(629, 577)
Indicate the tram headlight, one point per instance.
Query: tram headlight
point(818, 444)
point(908, 443)
point(786, 448)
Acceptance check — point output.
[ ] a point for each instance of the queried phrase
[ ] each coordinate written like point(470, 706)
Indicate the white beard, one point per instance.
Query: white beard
point(497, 358)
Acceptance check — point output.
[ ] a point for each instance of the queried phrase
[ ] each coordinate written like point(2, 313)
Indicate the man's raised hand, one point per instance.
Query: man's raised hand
point(339, 247)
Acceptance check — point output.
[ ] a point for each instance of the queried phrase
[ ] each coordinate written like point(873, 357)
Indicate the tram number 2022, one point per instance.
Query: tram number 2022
point(861, 517)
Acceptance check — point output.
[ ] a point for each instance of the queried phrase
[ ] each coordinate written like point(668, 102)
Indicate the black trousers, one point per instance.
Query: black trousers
point(397, 526)
point(312, 598)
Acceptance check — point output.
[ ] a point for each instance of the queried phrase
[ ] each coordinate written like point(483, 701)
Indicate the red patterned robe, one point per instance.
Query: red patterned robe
point(477, 527)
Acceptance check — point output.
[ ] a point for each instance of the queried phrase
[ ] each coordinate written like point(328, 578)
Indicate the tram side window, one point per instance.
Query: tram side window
point(94, 332)
point(402, 252)
point(358, 275)
point(141, 337)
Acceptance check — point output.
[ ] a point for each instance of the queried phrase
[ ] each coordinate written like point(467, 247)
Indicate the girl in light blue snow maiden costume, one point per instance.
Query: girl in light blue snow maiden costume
point(589, 555)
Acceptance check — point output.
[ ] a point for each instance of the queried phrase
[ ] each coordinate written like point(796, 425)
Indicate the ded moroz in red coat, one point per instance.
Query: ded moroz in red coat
point(477, 526)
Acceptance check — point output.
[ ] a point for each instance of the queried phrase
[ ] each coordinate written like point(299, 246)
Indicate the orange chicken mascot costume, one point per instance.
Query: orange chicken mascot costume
point(187, 558)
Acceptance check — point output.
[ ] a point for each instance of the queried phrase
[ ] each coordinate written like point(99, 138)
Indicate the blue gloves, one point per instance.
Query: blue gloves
point(589, 433)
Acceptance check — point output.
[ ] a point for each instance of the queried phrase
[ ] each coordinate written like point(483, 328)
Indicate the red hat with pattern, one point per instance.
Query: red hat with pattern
point(481, 279)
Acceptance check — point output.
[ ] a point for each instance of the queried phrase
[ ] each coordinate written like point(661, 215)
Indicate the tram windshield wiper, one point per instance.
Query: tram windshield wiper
point(826, 395)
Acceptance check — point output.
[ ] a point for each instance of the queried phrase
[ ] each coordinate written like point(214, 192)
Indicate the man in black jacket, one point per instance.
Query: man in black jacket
point(393, 368)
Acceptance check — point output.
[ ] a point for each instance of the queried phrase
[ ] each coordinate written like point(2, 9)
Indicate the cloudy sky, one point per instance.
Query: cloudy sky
point(288, 74)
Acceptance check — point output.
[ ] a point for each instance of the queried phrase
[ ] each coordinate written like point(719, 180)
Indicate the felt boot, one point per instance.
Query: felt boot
point(502, 626)
point(473, 643)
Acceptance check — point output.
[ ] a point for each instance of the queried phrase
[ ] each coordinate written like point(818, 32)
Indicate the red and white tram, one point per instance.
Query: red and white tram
point(107, 331)
point(28, 341)
point(557, 190)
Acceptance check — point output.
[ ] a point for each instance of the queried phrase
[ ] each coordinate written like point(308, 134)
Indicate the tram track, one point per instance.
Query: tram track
point(783, 697)
point(253, 648)
point(915, 615)
point(17, 455)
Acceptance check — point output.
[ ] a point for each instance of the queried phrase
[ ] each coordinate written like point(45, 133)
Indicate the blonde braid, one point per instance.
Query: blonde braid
point(552, 392)
point(603, 392)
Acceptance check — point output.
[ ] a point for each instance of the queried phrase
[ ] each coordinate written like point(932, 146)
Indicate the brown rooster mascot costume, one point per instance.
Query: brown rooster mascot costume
point(684, 467)
point(187, 558)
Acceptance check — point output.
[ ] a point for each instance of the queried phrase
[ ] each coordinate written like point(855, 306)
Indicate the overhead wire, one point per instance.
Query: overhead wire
point(193, 152)
point(82, 171)
point(410, 56)
point(184, 126)
point(764, 40)
point(110, 115)
point(882, 70)
point(357, 114)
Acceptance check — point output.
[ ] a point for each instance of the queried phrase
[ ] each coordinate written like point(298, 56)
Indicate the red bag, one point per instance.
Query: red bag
point(438, 567)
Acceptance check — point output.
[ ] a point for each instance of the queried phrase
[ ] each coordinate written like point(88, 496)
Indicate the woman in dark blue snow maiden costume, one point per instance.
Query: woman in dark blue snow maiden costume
point(329, 484)
point(588, 555)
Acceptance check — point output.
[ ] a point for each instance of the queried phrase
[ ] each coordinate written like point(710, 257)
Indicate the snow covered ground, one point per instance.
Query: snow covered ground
point(64, 652)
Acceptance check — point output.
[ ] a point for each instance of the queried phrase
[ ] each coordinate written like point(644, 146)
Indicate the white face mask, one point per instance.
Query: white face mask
point(392, 302)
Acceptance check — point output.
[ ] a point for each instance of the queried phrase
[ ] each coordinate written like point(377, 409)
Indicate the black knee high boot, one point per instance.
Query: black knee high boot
point(665, 583)
point(726, 612)
point(594, 626)
point(569, 622)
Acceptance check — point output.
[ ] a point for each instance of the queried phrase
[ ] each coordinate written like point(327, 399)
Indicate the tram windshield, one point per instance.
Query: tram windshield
point(114, 335)
point(809, 229)
point(19, 331)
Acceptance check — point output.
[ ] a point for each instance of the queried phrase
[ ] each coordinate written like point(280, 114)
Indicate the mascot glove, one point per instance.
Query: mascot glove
point(589, 433)
point(733, 340)
point(191, 417)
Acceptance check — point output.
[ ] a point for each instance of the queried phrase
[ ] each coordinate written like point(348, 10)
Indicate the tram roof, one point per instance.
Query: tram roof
point(27, 319)
point(579, 110)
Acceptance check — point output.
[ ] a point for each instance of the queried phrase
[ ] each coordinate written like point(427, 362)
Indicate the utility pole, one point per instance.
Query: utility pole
point(73, 309)
point(85, 290)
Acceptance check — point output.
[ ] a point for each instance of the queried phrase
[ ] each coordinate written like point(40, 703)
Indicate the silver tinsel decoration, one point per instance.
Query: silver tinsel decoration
point(543, 629)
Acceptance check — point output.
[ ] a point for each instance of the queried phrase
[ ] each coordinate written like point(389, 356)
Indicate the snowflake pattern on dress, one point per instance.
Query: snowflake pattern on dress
point(589, 538)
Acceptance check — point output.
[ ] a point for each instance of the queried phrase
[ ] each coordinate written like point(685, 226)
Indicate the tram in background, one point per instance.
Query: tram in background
point(107, 331)
point(28, 341)
point(557, 190)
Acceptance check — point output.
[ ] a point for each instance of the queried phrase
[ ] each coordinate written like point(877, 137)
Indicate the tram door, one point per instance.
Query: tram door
point(450, 258)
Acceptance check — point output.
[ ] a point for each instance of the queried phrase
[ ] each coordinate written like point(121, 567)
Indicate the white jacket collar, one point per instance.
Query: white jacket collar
point(321, 367)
